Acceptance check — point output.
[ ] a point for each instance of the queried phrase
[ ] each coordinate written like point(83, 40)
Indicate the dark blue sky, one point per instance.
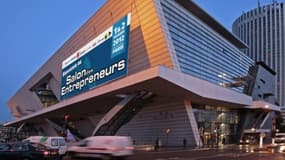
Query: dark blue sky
point(32, 30)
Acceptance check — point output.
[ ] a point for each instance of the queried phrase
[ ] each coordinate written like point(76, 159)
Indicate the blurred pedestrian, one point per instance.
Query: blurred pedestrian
point(184, 143)
point(156, 145)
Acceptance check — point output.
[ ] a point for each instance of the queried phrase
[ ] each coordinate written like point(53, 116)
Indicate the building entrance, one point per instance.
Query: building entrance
point(217, 125)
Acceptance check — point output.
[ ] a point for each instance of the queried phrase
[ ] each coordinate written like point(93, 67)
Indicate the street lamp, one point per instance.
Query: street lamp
point(167, 131)
point(66, 118)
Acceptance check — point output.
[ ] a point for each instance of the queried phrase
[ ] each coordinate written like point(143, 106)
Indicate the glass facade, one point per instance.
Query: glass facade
point(217, 124)
point(200, 51)
point(45, 95)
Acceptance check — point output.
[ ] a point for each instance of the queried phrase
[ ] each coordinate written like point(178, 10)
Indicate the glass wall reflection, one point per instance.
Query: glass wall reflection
point(217, 125)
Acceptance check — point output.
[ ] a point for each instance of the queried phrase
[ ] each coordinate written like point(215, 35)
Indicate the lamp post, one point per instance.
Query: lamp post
point(66, 118)
point(273, 130)
point(167, 131)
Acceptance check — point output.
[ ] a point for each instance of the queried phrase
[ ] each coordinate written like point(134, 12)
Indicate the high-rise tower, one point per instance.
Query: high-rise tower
point(262, 29)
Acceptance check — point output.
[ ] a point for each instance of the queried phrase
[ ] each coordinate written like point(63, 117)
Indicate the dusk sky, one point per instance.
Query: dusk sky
point(32, 30)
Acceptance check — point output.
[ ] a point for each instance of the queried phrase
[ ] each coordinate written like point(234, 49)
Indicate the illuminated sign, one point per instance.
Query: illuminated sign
point(103, 59)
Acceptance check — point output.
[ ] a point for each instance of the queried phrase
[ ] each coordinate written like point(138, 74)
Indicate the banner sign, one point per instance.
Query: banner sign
point(103, 59)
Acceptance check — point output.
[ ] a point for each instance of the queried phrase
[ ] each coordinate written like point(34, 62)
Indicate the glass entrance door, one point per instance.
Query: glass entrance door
point(217, 125)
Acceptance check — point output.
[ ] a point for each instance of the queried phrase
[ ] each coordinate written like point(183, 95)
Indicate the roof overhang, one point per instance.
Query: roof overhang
point(264, 106)
point(165, 83)
point(253, 130)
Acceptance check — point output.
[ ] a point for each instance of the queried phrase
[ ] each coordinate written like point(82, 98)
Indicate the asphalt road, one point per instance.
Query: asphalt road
point(228, 153)
point(211, 154)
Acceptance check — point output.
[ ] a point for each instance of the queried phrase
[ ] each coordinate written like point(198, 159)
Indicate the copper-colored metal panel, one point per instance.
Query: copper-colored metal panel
point(147, 46)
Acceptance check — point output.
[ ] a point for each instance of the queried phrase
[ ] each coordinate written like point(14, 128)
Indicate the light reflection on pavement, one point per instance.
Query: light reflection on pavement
point(227, 152)
point(236, 152)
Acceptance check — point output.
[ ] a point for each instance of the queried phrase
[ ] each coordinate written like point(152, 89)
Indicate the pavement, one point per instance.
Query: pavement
point(223, 152)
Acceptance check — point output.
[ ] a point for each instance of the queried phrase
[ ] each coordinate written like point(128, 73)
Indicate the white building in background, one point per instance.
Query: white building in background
point(263, 30)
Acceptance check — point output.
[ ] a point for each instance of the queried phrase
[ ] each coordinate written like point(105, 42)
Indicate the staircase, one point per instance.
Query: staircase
point(122, 113)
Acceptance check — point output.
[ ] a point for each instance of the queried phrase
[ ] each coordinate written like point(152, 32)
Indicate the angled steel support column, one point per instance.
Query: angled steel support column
point(21, 126)
point(193, 123)
point(113, 112)
point(54, 125)
point(58, 127)
point(267, 117)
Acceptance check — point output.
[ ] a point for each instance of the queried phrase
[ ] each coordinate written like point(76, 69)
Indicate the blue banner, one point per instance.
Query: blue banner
point(103, 59)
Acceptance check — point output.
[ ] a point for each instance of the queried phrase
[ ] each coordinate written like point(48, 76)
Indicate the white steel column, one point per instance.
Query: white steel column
point(193, 122)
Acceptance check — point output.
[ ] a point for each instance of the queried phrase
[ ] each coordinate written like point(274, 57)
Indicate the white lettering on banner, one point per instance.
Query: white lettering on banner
point(89, 46)
point(78, 80)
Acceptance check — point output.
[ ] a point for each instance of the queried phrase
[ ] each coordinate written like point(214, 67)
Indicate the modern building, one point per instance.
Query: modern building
point(263, 30)
point(151, 69)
